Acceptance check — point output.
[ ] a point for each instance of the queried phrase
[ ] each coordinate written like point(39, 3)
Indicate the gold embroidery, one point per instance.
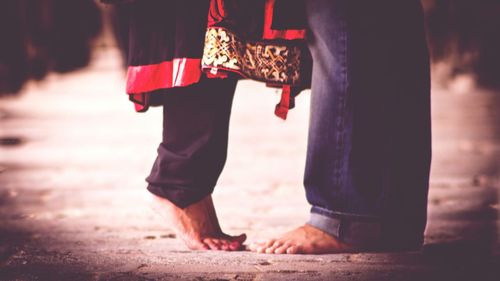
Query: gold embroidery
point(264, 61)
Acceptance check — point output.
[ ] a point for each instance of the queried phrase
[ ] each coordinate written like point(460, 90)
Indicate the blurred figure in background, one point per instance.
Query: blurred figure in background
point(43, 36)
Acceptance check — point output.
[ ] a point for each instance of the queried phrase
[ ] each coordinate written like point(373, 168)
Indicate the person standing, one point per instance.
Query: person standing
point(369, 144)
point(186, 56)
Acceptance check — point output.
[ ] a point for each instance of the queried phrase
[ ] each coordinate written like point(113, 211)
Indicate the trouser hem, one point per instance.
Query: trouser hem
point(356, 231)
point(181, 198)
point(362, 232)
point(344, 215)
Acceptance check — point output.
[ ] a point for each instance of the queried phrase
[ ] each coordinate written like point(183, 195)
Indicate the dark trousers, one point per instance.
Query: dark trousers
point(368, 154)
point(194, 146)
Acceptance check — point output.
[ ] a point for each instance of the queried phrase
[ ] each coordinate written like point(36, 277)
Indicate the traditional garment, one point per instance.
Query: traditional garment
point(257, 40)
point(173, 43)
point(369, 145)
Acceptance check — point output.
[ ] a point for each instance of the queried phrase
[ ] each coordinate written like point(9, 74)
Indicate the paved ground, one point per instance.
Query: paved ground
point(74, 155)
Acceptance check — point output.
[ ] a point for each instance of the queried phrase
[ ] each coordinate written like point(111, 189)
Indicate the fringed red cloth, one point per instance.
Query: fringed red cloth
point(277, 57)
point(172, 44)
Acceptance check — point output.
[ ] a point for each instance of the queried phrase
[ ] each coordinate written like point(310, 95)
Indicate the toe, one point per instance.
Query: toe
point(255, 246)
point(292, 250)
point(240, 238)
point(235, 246)
point(213, 244)
point(234, 243)
point(228, 244)
point(235, 239)
point(261, 247)
point(224, 244)
point(237, 242)
point(282, 249)
point(273, 247)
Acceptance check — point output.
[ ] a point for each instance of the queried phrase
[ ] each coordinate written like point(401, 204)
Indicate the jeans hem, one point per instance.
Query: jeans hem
point(360, 234)
point(343, 215)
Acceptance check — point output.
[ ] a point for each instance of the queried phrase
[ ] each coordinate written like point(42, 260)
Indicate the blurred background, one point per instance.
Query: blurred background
point(74, 154)
point(58, 36)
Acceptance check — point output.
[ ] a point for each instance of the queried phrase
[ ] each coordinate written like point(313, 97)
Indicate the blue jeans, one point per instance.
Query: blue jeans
point(369, 144)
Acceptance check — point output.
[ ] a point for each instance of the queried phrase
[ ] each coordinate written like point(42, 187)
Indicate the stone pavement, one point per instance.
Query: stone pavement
point(74, 154)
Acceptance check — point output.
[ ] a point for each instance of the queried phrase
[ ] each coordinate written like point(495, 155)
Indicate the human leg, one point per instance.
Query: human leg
point(190, 159)
point(369, 149)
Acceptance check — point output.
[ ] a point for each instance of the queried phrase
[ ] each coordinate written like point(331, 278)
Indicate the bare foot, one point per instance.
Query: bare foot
point(302, 240)
point(197, 225)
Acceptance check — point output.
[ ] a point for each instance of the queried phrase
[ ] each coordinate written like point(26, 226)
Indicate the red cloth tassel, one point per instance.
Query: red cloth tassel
point(285, 103)
point(140, 102)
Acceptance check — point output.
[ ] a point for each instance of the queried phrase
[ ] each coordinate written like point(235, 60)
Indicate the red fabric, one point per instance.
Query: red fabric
point(215, 73)
point(144, 79)
point(140, 102)
point(269, 33)
point(283, 106)
point(217, 13)
point(176, 73)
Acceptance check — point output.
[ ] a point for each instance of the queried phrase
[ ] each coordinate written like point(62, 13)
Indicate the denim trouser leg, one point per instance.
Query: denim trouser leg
point(194, 147)
point(369, 144)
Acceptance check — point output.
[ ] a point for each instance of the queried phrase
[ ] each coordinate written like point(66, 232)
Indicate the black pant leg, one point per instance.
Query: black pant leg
point(194, 147)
